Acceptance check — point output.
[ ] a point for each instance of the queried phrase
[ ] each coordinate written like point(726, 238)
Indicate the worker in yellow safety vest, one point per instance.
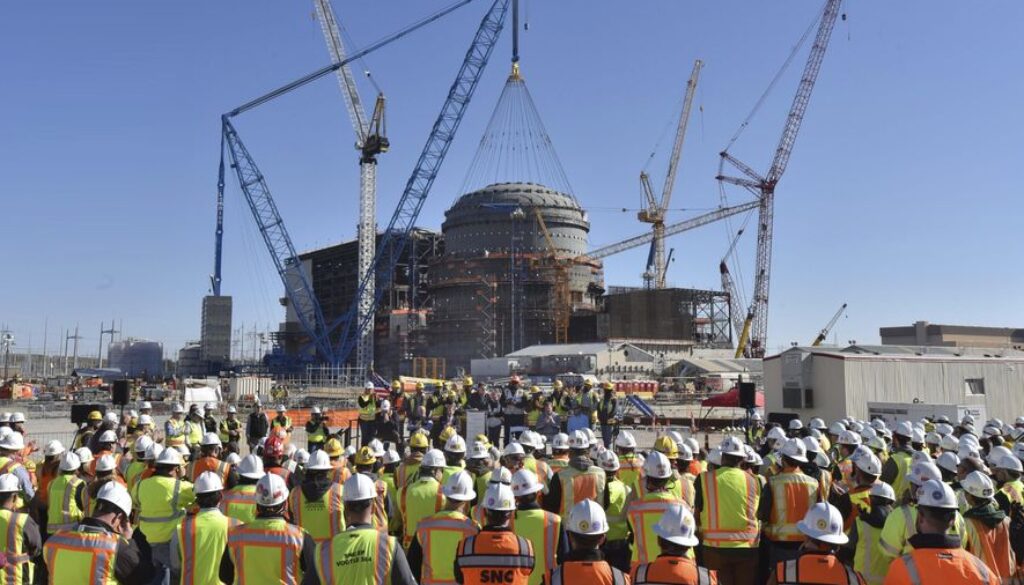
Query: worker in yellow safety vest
point(66, 496)
point(866, 533)
point(533, 443)
point(988, 528)
point(174, 428)
point(12, 447)
point(631, 463)
point(542, 528)
point(316, 430)
point(195, 426)
point(210, 450)
point(20, 540)
point(316, 505)
point(268, 549)
point(616, 496)
point(368, 464)
point(361, 555)
point(423, 497)
point(367, 406)
point(281, 422)
point(230, 431)
point(409, 469)
point(643, 513)
point(336, 453)
point(901, 525)
point(432, 553)
point(726, 504)
point(138, 462)
point(1007, 471)
point(581, 480)
point(896, 469)
point(162, 500)
point(199, 541)
point(239, 502)
point(847, 442)
point(785, 501)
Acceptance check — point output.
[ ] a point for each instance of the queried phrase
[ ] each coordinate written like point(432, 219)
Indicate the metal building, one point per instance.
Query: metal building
point(137, 358)
point(495, 288)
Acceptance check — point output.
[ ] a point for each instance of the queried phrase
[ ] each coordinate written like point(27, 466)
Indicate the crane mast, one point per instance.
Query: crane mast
point(755, 327)
point(828, 327)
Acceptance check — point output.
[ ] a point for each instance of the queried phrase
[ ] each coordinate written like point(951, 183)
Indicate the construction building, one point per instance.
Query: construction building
point(931, 334)
point(215, 334)
point(137, 358)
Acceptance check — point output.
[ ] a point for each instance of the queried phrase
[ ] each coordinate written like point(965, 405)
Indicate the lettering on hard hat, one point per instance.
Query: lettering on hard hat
point(496, 576)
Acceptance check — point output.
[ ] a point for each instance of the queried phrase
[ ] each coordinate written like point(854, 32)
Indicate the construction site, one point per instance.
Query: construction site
point(511, 266)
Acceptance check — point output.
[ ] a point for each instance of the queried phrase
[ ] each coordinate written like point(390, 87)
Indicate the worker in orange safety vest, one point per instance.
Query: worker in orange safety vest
point(587, 526)
point(816, 561)
point(495, 554)
point(677, 536)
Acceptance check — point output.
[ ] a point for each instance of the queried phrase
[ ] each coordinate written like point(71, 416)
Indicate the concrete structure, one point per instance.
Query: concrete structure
point(700, 316)
point(137, 358)
point(930, 334)
point(615, 359)
point(215, 333)
point(190, 361)
point(832, 384)
point(493, 291)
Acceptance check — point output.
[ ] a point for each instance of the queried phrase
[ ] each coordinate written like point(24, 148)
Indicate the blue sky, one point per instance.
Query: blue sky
point(901, 197)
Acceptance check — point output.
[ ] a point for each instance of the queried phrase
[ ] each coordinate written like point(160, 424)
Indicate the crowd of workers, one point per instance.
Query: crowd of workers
point(918, 502)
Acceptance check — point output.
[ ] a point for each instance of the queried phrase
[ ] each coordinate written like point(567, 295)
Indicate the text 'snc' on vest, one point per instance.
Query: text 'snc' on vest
point(728, 518)
point(673, 571)
point(495, 558)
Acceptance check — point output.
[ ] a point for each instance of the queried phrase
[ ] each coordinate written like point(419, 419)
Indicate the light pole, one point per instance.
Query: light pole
point(8, 341)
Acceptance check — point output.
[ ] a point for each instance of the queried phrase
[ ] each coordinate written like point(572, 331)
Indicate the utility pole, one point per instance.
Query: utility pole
point(46, 326)
point(76, 337)
point(7, 339)
point(111, 332)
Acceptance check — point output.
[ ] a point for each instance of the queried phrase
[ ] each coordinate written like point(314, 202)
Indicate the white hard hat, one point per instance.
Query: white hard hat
point(796, 424)
point(988, 431)
point(350, 450)
point(478, 451)
point(595, 450)
point(391, 456)
point(948, 461)
point(935, 494)
point(793, 449)
point(433, 458)
point(319, 461)
point(84, 454)
point(116, 494)
point(132, 413)
point(869, 464)
point(855, 426)
point(733, 446)
point(271, 490)
point(368, 386)
point(170, 457)
point(868, 433)
point(880, 489)
point(923, 472)
point(359, 487)
point(715, 455)
point(300, 456)
point(455, 444)
point(105, 463)
point(316, 410)
point(17, 417)
point(70, 462)
point(812, 445)
point(950, 443)
point(513, 448)
point(210, 439)
point(776, 434)
point(251, 467)
point(208, 482)
point(996, 454)
point(13, 441)
point(376, 447)
point(836, 428)
point(756, 417)
point(917, 436)
point(560, 442)
point(944, 429)
point(823, 522)
point(978, 485)
point(822, 460)
point(968, 450)
point(108, 437)
point(849, 438)
point(232, 410)
point(145, 419)
point(657, 466)
point(904, 429)
point(933, 438)
point(524, 483)
point(587, 518)
point(591, 437)
point(531, 439)
point(920, 457)
point(385, 405)
point(153, 451)
point(146, 406)
point(281, 408)
point(692, 444)
point(184, 451)
point(579, 440)
point(233, 459)
point(110, 416)
point(9, 483)
point(754, 459)
point(459, 487)
point(499, 497)
point(1011, 463)
point(1018, 449)
point(685, 453)
point(53, 448)
point(178, 409)
point(608, 461)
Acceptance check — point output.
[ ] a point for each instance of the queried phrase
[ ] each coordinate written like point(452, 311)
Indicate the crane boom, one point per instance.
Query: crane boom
point(755, 329)
point(677, 147)
point(671, 230)
point(828, 327)
point(423, 175)
point(336, 47)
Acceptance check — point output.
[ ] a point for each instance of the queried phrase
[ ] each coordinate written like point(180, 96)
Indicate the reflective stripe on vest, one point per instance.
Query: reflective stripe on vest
point(175, 510)
point(715, 532)
point(436, 558)
point(642, 576)
point(240, 503)
point(643, 515)
point(914, 573)
point(788, 573)
point(322, 518)
point(12, 531)
point(991, 545)
point(410, 518)
point(260, 535)
point(71, 554)
point(350, 542)
point(202, 539)
point(618, 494)
point(793, 493)
point(541, 529)
point(580, 485)
point(557, 576)
point(64, 487)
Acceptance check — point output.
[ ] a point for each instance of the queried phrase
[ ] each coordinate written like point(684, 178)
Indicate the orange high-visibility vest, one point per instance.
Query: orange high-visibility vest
point(580, 485)
point(992, 545)
point(221, 468)
point(728, 518)
point(793, 493)
point(667, 570)
point(924, 566)
point(820, 569)
point(589, 572)
point(495, 556)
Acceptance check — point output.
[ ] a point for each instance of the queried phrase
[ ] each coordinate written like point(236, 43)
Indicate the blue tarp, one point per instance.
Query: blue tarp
point(640, 405)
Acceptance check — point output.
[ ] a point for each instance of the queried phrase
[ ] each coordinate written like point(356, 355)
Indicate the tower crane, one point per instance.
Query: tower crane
point(735, 302)
point(654, 210)
point(755, 326)
point(370, 141)
point(828, 327)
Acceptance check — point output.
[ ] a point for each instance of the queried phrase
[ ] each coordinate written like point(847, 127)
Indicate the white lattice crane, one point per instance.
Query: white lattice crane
point(370, 141)
point(654, 210)
point(755, 327)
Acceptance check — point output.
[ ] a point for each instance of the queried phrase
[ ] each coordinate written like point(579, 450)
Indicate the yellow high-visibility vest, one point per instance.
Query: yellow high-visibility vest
point(541, 529)
point(162, 502)
point(82, 555)
point(642, 515)
point(728, 518)
point(202, 539)
point(239, 502)
point(367, 553)
point(420, 499)
point(323, 518)
point(12, 546)
point(439, 535)
point(266, 550)
point(63, 512)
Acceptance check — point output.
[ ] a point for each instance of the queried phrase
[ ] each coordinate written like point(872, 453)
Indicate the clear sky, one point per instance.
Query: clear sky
point(902, 197)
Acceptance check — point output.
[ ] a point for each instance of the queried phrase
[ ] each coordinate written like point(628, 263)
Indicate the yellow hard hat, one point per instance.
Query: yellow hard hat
point(447, 433)
point(467, 381)
point(333, 448)
point(419, 441)
point(482, 438)
point(667, 447)
point(420, 386)
point(588, 383)
point(558, 385)
point(396, 385)
point(607, 386)
point(534, 389)
point(365, 456)
point(95, 415)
